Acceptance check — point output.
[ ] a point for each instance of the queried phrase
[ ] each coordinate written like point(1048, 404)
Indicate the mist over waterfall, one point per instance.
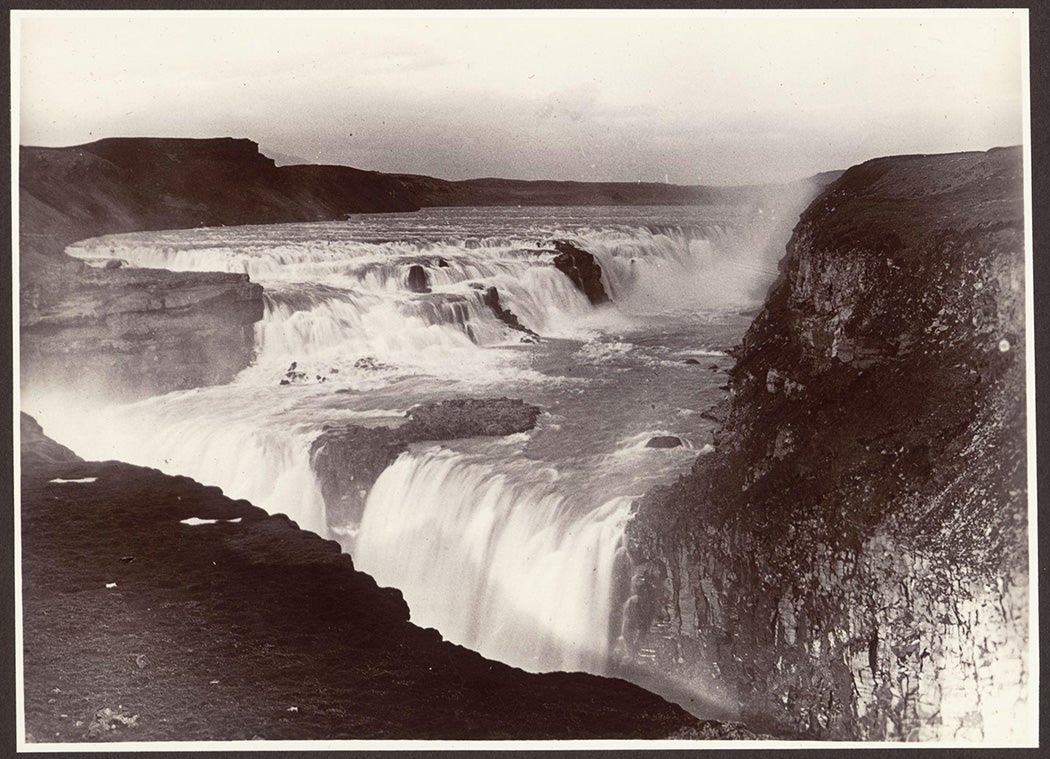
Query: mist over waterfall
point(503, 545)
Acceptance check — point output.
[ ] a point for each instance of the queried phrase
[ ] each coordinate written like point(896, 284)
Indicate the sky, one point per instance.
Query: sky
point(683, 97)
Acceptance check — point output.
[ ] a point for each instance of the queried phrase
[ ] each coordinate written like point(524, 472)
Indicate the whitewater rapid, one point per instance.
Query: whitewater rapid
point(504, 545)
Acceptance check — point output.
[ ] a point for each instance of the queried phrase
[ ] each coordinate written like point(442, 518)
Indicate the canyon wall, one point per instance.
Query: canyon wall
point(851, 562)
point(132, 333)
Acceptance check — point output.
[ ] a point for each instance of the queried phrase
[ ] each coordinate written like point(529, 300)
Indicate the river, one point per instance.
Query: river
point(504, 545)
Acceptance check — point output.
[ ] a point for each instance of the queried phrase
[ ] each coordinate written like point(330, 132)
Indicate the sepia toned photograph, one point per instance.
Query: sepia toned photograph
point(523, 379)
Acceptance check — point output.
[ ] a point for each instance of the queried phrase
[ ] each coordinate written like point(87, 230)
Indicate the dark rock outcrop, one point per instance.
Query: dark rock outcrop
point(508, 317)
point(131, 333)
point(417, 281)
point(664, 441)
point(470, 417)
point(349, 458)
point(140, 626)
point(583, 269)
point(862, 524)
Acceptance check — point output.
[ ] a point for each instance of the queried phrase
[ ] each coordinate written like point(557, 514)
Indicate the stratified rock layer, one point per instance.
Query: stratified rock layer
point(130, 333)
point(140, 626)
point(852, 561)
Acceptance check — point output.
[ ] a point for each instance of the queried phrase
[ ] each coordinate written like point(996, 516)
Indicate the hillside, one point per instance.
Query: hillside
point(135, 184)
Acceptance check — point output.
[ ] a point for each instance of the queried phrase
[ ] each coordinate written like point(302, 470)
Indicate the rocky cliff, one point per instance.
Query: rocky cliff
point(127, 334)
point(852, 560)
point(155, 608)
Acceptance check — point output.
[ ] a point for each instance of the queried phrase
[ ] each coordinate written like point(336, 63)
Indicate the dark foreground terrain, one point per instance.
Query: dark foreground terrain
point(138, 626)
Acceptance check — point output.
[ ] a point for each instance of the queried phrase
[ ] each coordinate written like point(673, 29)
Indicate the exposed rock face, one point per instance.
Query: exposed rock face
point(505, 315)
point(349, 458)
point(852, 560)
point(664, 441)
point(470, 417)
point(131, 333)
point(418, 281)
point(140, 626)
point(583, 269)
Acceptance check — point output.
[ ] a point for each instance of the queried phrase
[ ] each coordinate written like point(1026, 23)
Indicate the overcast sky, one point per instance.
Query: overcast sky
point(685, 98)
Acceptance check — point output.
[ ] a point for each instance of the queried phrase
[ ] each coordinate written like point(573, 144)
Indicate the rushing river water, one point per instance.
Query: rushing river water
point(504, 545)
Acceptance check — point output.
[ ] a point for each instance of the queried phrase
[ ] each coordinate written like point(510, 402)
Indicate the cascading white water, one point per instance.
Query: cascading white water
point(504, 564)
point(218, 438)
point(667, 269)
point(488, 550)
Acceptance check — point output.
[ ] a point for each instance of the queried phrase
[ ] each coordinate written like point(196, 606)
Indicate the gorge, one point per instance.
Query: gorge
point(818, 558)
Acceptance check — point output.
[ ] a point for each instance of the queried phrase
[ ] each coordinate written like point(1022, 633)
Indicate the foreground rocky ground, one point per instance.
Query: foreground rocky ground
point(141, 626)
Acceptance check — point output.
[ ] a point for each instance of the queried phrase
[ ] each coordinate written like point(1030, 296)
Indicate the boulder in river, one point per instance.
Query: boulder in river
point(418, 279)
point(583, 269)
point(348, 459)
point(505, 315)
point(664, 441)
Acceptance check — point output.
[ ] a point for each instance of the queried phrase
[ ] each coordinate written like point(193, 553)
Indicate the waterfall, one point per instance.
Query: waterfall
point(503, 564)
point(327, 286)
point(660, 269)
point(377, 313)
point(249, 443)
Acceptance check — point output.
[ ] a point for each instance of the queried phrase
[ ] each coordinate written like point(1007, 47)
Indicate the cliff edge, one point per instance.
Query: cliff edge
point(852, 560)
point(155, 608)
